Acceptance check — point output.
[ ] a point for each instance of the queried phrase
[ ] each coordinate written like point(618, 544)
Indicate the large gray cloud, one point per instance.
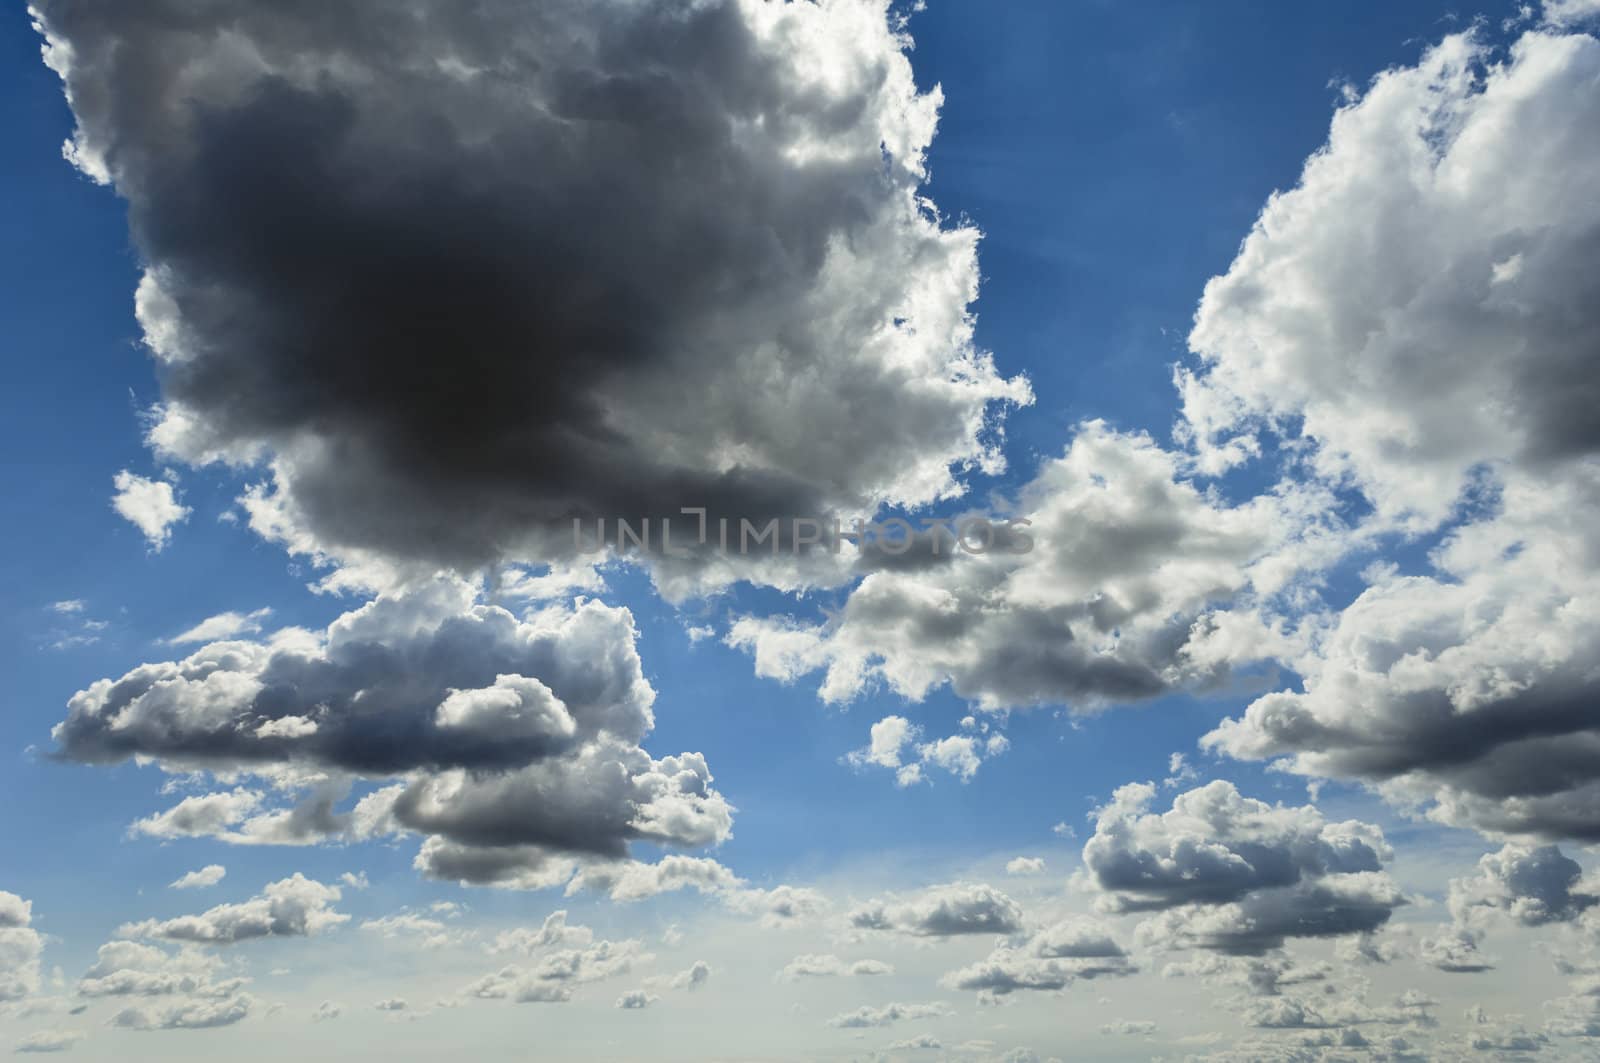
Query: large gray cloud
point(463, 273)
point(512, 744)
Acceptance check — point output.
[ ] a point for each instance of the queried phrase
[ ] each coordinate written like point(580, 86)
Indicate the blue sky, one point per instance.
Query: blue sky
point(1114, 157)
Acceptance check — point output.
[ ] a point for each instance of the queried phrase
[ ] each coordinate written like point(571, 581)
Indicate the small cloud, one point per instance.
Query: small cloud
point(149, 505)
point(206, 876)
point(635, 999)
point(222, 626)
point(1025, 865)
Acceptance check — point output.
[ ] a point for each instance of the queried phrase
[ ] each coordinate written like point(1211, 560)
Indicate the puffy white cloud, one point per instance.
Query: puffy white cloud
point(554, 931)
point(201, 878)
point(579, 235)
point(293, 907)
point(1049, 959)
point(1531, 885)
point(827, 965)
point(132, 969)
point(943, 911)
point(866, 1016)
point(1234, 874)
point(698, 974)
point(1418, 302)
point(514, 741)
point(185, 1015)
point(20, 948)
point(636, 999)
point(557, 973)
point(1455, 950)
point(896, 743)
point(1419, 315)
point(150, 505)
point(1025, 865)
point(1112, 603)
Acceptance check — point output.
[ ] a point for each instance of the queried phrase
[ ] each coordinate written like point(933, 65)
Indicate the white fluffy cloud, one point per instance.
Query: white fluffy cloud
point(1236, 875)
point(943, 911)
point(1111, 604)
point(201, 878)
point(1529, 885)
point(827, 965)
point(20, 948)
point(511, 744)
point(557, 973)
point(132, 969)
point(150, 505)
point(294, 907)
point(1050, 959)
point(896, 743)
point(866, 1017)
point(1420, 313)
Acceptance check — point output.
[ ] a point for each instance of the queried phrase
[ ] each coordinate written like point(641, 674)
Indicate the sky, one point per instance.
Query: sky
point(1208, 391)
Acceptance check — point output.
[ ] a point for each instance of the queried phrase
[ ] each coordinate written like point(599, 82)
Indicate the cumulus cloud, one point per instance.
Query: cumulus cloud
point(1025, 865)
point(202, 878)
point(1530, 885)
point(184, 988)
point(554, 931)
point(896, 743)
point(511, 741)
point(866, 1017)
point(1049, 959)
point(558, 972)
point(293, 907)
point(1419, 316)
point(827, 965)
point(943, 911)
point(636, 999)
point(133, 969)
point(1112, 603)
point(1233, 874)
point(20, 948)
point(595, 260)
point(150, 505)
point(698, 974)
point(1455, 950)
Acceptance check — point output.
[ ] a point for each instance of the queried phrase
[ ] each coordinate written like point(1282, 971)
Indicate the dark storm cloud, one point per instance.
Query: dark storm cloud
point(469, 271)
